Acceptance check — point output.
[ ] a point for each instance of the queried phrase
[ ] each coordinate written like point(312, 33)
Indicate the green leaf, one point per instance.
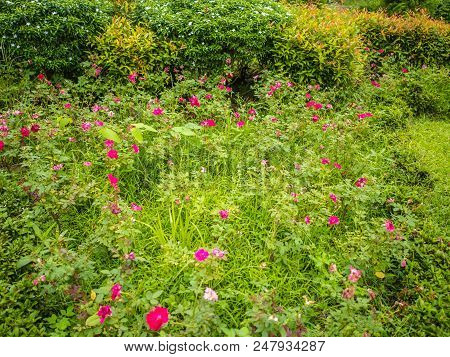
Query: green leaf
point(145, 127)
point(93, 320)
point(137, 134)
point(110, 134)
point(183, 130)
point(23, 261)
point(62, 121)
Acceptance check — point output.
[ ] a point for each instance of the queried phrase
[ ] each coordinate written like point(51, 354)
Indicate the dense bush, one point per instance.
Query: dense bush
point(321, 45)
point(414, 39)
point(214, 30)
point(52, 35)
point(124, 49)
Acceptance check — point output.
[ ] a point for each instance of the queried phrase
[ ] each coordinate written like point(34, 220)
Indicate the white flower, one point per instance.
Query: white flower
point(210, 295)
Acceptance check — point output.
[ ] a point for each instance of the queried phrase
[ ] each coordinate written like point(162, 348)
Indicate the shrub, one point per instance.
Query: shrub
point(321, 45)
point(214, 30)
point(415, 39)
point(124, 48)
point(52, 34)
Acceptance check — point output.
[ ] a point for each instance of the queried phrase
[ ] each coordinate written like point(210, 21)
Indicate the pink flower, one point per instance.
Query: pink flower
point(109, 143)
point(380, 50)
point(405, 70)
point(308, 96)
point(237, 115)
point(208, 96)
point(104, 312)
point(216, 252)
point(130, 256)
point(223, 214)
point(315, 118)
point(115, 209)
point(403, 263)
point(135, 148)
point(35, 128)
point(2, 145)
point(325, 161)
point(113, 181)
point(58, 167)
point(365, 115)
point(329, 106)
point(375, 84)
point(252, 111)
point(43, 278)
point(25, 132)
point(35, 282)
point(115, 291)
point(348, 293)
point(228, 89)
point(116, 100)
point(290, 84)
point(318, 106)
point(99, 123)
point(354, 275)
point(208, 122)
point(132, 77)
point(194, 101)
point(389, 225)
point(333, 197)
point(210, 295)
point(240, 124)
point(158, 111)
point(67, 105)
point(86, 126)
point(135, 207)
point(361, 182)
point(72, 139)
point(157, 317)
point(201, 254)
point(332, 268)
point(87, 163)
point(337, 166)
point(307, 220)
point(112, 154)
point(333, 220)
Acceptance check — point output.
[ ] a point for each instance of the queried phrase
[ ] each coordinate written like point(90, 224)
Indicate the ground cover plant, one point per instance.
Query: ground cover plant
point(278, 173)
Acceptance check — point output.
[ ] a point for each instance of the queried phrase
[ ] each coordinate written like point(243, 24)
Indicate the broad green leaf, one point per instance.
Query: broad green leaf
point(137, 135)
point(183, 130)
point(93, 320)
point(23, 261)
point(110, 134)
point(62, 121)
point(145, 127)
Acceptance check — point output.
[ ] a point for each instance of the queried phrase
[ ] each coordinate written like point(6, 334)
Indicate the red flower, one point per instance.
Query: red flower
point(25, 132)
point(376, 84)
point(157, 317)
point(2, 145)
point(41, 76)
point(35, 128)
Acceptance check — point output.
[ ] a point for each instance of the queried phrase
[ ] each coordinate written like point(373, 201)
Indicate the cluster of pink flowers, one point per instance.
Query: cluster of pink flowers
point(208, 123)
point(354, 275)
point(361, 182)
point(314, 104)
point(365, 115)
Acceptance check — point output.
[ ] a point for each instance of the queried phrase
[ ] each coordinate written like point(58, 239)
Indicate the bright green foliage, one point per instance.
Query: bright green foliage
point(214, 30)
point(321, 45)
point(52, 34)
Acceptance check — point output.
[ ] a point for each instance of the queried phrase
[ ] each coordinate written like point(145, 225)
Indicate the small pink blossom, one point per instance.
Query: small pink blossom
point(405, 70)
point(208, 96)
point(115, 291)
point(315, 118)
point(130, 256)
point(220, 254)
point(354, 275)
point(35, 128)
point(201, 254)
point(104, 312)
point(208, 122)
point(158, 111)
point(67, 105)
point(403, 263)
point(132, 77)
point(135, 148)
point(389, 225)
point(25, 132)
point(58, 167)
point(112, 154)
point(87, 163)
point(135, 207)
point(113, 181)
point(333, 220)
point(210, 295)
point(109, 143)
point(333, 197)
point(72, 139)
point(348, 293)
point(252, 111)
point(307, 220)
point(223, 214)
point(194, 101)
point(337, 166)
point(86, 126)
point(361, 182)
point(240, 124)
point(325, 161)
point(376, 84)
point(99, 123)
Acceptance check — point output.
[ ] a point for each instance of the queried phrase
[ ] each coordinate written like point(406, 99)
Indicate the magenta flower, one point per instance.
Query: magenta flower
point(109, 143)
point(132, 77)
point(252, 111)
point(113, 181)
point(208, 96)
point(35, 128)
point(337, 166)
point(87, 163)
point(201, 254)
point(223, 214)
point(376, 84)
point(403, 263)
point(135, 207)
point(2, 145)
point(307, 220)
point(315, 118)
point(58, 167)
point(115, 291)
point(208, 122)
point(333, 197)
point(405, 70)
point(135, 148)
point(67, 105)
point(86, 126)
point(112, 154)
point(115, 209)
point(361, 182)
point(130, 256)
point(240, 124)
point(333, 220)
point(25, 132)
point(354, 275)
point(308, 96)
point(158, 111)
point(348, 293)
point(104, 312)
point(389, 225)
point(325, 161)
point(99, 123)
point(194, 101)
